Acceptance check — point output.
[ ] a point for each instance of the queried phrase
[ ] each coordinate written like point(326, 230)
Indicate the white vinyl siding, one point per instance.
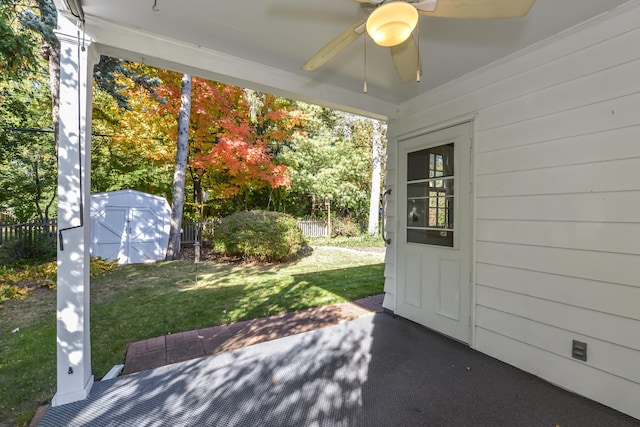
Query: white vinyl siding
point(557, 204)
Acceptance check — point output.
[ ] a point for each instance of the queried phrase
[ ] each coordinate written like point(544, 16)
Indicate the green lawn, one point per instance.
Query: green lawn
point(363, 240)
point(132, 303)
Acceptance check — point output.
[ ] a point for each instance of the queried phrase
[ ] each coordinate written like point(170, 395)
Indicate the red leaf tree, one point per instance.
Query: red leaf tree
point(234, 135)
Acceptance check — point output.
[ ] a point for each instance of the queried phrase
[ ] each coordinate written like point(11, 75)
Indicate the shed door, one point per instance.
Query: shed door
point(142, 235)
point(434, 236)
point(130, 235)
point(110, 239)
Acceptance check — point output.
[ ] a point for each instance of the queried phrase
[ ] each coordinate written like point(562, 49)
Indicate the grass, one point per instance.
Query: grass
point(363, 240)
point(136, 302)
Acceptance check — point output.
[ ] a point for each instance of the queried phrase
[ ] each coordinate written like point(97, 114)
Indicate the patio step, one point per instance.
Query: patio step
point(164, 350)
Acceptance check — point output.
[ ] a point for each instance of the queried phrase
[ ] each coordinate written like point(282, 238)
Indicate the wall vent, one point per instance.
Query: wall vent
point(579, 350)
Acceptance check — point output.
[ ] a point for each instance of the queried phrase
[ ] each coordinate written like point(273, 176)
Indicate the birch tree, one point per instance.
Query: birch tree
point(376, 176)
point(179, 175)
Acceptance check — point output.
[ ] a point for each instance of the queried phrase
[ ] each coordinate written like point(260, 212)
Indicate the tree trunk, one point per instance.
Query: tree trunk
point(177, 203)
point(54, 82)
point(37, 193)
point(50, 51)
point(328, 204)
point(376, 172)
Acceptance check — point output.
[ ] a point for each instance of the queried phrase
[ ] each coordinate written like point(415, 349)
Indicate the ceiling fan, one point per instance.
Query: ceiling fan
point(391, 24)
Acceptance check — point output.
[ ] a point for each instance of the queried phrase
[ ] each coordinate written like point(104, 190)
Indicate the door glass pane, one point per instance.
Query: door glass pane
point(430, 196)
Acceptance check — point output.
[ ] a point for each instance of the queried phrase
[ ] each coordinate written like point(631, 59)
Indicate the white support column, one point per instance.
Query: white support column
point(74, 178)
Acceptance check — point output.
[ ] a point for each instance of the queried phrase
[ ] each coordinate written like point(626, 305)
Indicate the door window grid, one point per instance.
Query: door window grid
point(430, 196)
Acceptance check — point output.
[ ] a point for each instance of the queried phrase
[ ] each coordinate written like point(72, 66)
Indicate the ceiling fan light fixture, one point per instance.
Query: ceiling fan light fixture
point(392, 23)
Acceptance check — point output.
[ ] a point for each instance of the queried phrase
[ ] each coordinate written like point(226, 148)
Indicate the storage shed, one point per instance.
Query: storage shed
point(129, 226)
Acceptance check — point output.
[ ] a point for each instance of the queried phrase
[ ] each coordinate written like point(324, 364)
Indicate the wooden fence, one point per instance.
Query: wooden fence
point(314, 227)
point(310, 228)
point(190, 229)
point(30, 232)
point(188, 233)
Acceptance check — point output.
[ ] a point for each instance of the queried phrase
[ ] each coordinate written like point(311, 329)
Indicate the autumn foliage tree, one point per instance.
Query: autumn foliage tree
point(234, 134)
point(130, 147)
point(247, 149)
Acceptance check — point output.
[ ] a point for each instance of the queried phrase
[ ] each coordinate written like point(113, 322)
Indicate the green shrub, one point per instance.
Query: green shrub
point(208, 231)
point(260, 235)
point(39, 249)
point(14, 279)
point(10, 252)
point(9, 292)
point(43, 274)
point(345, 227)
point(99, 266)
point(8, 275)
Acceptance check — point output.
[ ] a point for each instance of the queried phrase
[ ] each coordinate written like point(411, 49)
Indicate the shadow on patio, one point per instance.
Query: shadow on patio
point(374, 371)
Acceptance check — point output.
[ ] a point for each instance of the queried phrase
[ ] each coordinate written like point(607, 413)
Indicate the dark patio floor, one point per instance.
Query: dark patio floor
point(373, 371)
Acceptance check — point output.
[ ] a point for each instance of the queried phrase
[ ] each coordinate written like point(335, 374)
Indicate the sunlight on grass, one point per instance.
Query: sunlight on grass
point(167, 299)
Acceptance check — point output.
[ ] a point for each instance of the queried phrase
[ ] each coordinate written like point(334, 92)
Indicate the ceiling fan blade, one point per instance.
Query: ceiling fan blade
point(479, 9)
point(335, 46)
point(406, 58)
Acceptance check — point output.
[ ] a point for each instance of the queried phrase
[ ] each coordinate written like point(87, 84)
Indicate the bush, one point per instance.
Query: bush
point(15, 279)
point(345, 227)
point(9, 292)
point(11, 252)
point(43, 274)
point(99, 266)
point(208, 230)
point(38, 250)
point(260, 235)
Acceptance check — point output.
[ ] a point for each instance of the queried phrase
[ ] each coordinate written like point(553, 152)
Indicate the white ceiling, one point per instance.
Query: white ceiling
point(282, 34)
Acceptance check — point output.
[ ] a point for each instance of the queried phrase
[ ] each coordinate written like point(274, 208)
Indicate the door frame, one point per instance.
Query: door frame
point(471, 120)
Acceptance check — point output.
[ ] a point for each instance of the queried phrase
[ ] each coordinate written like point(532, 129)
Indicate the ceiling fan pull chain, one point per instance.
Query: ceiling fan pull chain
point(364, 88)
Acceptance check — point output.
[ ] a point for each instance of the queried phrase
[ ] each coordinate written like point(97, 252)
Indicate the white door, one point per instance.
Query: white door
point(130, 235)
point(143, 235)
point(109, 233)
point(434, 235)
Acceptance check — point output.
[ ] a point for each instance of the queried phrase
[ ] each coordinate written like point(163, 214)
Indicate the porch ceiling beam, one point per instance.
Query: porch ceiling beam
point(160, 51)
